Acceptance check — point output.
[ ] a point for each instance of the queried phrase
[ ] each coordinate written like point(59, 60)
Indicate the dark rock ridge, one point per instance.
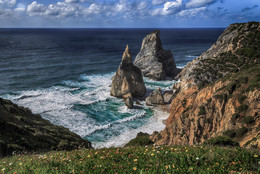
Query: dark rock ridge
point(23, 131)
point(155, 62)
point(128, 80)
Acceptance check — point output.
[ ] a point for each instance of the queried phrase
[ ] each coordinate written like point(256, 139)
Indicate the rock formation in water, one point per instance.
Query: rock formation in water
point(155, 62)
point(155, 98)
point(219, 92)
point(23, 131)
point(128, 80)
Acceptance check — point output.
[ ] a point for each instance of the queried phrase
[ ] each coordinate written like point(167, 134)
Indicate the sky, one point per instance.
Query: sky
point(126, 13)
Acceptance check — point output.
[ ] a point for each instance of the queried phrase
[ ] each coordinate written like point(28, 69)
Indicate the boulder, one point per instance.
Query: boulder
point(155, 98)
point(168, 96)
point(155, 62)
point(128, 79)
point(129, 102)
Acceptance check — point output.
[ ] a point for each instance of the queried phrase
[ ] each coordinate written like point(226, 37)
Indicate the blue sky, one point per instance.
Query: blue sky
point(127, 13)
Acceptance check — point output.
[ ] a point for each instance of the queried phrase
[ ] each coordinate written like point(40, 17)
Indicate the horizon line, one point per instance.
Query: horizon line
point(110, 27)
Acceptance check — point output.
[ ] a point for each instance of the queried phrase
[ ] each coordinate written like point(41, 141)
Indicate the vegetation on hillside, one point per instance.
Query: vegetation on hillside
point(149, 159)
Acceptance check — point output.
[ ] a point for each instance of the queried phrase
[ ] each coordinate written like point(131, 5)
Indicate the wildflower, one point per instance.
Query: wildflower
point(166, 152)
point(175, 149)
point(3, 169)
point(191, 168)
point(10, 164)
point(217, 163)
point(134, 168)
point(186, 150)
point(158, 151)
point(166, 167)
point(88, 156)
point(255, 156)
point(45, 157)
point(152, 154)
point(135, 160)
point(173, 166)
point(20, 164)
point(197, 158)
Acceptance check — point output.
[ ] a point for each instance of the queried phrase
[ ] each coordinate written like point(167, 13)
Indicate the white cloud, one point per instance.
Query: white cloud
point(7, 3)
point(20, 7)
point(142, 5)
point(34, 8)
point(72, 1)
point(191, 12)
point(171, 7)
point(94, 9)
point(158, 2)
point(199, 3)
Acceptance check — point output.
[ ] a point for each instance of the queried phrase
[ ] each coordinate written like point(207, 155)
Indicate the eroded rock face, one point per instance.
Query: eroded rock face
point(155, 62)
point(128, 79)
point(155, 98)
point(227, 106)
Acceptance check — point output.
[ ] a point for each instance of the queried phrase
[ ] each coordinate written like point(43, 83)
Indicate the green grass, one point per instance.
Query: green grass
point(151, 159)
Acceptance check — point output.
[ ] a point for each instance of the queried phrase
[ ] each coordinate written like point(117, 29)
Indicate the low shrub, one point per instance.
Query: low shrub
point(221, 141)
point(248, 120)
point(230, 133)
point(202, 110)
point(242, 108)
point(142, 139)
point(241, 132)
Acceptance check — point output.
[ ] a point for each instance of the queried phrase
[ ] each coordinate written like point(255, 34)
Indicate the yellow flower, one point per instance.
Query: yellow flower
point(144, 153)
point(255, 156)
point(135, 160)
point(175, 149)
point(134, 168)
point(166, 167)
point(20, 164)
point(173, 166)
point(186, 150)
point(152, 154)
point(45, 157)
point(88, 156)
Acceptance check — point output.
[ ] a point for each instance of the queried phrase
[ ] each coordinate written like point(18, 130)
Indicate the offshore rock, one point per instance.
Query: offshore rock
point(155, 98)
point(129, 102)
point(155, 62)
point(128, 80)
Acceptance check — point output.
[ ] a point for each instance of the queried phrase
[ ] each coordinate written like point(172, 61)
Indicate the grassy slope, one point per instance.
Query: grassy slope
point(159, 159)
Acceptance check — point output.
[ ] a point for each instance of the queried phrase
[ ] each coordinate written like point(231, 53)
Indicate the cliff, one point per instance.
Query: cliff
point(219, 92)
point(23, 131)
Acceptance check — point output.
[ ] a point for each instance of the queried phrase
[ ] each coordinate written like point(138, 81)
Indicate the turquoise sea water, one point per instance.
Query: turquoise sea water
point(65, 75)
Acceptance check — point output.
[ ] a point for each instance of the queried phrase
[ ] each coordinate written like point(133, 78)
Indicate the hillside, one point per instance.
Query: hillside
point(219, 92)
point(22, 131)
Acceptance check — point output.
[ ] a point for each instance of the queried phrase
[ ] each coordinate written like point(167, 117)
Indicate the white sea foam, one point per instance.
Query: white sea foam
point(57, 104)
point(154, 124)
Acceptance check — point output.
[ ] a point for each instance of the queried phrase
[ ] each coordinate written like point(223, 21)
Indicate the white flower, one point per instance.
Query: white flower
point(197, 158)
point(10, 164)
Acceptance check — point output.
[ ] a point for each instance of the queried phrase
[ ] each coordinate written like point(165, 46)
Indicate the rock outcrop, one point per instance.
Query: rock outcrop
point(129, 102)
point(219, 92)
point(155, 62)
point(128, 80)
point(155, 98)
point(23, 131)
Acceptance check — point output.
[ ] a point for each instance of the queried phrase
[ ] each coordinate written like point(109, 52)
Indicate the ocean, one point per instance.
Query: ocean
point(65, 75)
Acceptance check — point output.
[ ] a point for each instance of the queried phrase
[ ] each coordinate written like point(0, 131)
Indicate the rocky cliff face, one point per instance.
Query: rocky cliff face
point(22, 131)
point(155, 62)
point(219, 92)
point(128, 80)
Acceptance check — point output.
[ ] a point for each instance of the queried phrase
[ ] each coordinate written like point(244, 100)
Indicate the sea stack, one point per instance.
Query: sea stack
point(155, 62)
point(128, 81)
